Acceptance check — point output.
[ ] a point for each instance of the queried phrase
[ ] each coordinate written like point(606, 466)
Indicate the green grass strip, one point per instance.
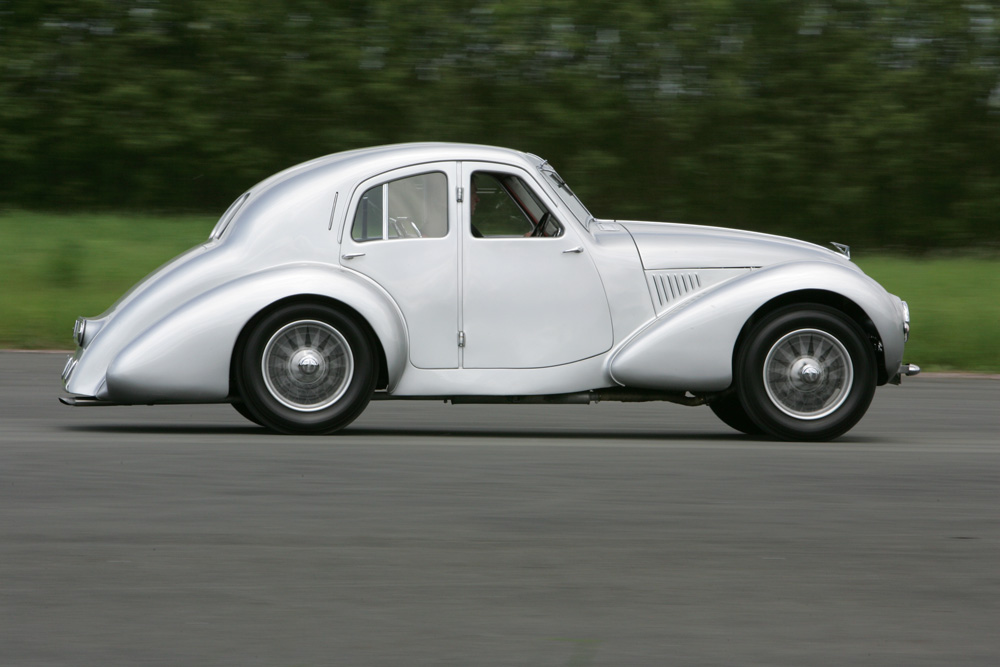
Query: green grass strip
point(954, 308)
point(56, 267)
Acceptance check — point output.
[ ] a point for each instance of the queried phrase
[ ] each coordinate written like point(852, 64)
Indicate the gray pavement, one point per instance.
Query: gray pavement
point(430, 534)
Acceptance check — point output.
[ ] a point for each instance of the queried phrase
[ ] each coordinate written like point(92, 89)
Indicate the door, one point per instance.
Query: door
point(531, 294)
point(401, 233)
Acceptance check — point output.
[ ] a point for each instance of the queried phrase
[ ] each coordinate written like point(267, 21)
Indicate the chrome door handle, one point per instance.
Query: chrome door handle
point(352, 255)
point(577, 249)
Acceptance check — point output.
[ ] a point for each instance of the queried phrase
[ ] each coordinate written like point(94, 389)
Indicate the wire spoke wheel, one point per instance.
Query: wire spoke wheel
point(808, 374)
point(305, 368)
point(805, 373)
point(307, 365)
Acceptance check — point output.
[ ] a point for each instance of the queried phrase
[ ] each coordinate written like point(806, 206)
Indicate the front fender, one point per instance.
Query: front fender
point(185, 357)
point(690, 348)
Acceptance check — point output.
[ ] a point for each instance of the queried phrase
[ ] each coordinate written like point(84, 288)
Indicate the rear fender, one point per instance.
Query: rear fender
point(185, 357)
point(690, 348)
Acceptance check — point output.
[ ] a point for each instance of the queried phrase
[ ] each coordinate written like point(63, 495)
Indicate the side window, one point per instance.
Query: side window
point(503, 206)
point(368, 218)
point(412, 207)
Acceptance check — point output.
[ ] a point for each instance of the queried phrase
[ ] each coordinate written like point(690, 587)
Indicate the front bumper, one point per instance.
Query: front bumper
point(908, 370)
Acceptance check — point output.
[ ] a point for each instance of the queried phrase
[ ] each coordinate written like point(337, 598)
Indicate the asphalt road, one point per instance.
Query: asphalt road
point(430, 534)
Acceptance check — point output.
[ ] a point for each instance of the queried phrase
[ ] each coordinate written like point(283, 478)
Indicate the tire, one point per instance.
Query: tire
point(306, 368)
point(241, 408)
point(806, 373)
point(731, 412)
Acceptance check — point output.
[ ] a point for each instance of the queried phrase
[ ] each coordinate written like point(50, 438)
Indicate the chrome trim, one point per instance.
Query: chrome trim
point(84, 401)
point(333, 211)
point(906, 321)
point(227, 217)
point(842, 248)
point(909, 370)
point(85, 330)
point(79, 330)
point(71, 363)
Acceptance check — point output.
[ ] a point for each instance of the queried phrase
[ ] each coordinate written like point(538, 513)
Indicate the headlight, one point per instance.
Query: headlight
point(906, 322)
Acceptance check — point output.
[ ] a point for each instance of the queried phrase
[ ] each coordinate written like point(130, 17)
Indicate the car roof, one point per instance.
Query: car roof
point(365, 162)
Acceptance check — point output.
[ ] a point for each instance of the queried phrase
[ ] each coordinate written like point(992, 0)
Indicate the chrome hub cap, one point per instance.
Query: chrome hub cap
point(808, 374)
point(307, 365)
point(307, 362)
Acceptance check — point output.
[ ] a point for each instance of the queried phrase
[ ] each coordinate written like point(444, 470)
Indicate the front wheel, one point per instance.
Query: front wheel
point(731, 412)
point(306, 368)
point(806, 374)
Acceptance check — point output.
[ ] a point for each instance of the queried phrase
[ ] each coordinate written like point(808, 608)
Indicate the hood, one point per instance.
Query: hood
point(665, 245)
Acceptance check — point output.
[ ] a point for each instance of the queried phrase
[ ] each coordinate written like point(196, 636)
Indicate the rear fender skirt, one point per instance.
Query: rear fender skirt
point(185, 357)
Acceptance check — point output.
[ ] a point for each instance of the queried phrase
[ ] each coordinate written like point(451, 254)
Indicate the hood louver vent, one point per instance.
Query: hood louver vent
point(669, 288)
point(673, 286)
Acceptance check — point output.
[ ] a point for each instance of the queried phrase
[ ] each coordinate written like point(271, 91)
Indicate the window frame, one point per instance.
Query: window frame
point(383, 181)
point(501, 176)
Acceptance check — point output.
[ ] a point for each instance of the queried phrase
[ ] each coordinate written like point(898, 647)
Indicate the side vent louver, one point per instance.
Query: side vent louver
point(670, 288)
point(673, 286)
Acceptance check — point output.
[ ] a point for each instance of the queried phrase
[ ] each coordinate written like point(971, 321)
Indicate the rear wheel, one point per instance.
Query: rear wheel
point(306, 368)
point(806, 374)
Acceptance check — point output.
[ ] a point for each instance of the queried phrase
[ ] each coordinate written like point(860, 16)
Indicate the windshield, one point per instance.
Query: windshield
point(566, 195)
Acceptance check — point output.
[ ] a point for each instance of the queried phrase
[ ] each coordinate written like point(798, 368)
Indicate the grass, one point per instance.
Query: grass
point(56, 267)
point(954, 308)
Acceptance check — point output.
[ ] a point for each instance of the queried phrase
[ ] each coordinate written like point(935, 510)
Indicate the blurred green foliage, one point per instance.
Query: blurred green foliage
point(872, 123)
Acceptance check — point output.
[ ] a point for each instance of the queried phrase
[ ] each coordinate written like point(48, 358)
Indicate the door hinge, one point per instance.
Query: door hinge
point(459, 194)
point(461, 339)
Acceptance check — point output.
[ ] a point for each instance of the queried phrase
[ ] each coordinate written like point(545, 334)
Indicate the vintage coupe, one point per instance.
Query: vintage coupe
point(474, 274)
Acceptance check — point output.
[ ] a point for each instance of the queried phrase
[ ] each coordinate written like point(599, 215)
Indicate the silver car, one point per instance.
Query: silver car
point(474, 274)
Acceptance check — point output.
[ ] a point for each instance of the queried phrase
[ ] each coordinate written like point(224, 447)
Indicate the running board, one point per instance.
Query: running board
point(621, 394)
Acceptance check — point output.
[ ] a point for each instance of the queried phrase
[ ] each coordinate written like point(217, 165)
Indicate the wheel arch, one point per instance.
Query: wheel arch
point(820, 297)
point(318, 299)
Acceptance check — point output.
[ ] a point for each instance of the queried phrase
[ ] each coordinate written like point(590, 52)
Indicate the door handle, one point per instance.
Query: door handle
point(352, 255)
point(577, 250)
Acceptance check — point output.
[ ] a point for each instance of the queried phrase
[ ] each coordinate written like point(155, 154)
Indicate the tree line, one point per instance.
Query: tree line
point(866, 121)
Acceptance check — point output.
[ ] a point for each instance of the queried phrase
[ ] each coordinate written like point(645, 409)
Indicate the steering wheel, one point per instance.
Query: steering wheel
point(539, 229)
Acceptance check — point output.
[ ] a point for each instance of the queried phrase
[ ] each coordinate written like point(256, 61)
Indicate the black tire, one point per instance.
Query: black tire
point(241, 408)
point(306, 368)
point(806, 373)
point(731, 412)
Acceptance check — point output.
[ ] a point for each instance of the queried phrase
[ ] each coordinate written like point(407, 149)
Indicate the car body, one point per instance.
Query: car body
point(474, 274)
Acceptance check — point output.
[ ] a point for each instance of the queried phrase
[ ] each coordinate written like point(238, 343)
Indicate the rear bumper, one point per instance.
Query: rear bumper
point(83, 401)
